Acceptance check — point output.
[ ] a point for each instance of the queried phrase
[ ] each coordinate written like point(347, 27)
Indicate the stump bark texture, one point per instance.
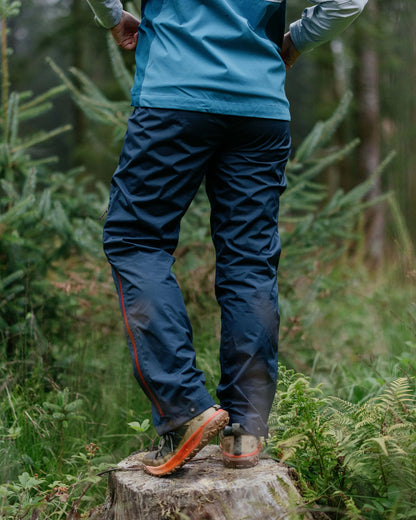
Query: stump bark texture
point(203, 490)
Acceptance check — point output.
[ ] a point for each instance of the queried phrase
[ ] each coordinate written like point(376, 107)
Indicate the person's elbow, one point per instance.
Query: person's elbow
point(354, 7)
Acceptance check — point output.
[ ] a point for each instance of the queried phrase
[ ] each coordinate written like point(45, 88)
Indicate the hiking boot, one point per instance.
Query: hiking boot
point(239, 449)
point(177, 447)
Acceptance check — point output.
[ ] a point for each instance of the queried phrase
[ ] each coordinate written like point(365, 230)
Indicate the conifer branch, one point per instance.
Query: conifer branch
point(40, 137)
point(43, 97)
point(5, 70)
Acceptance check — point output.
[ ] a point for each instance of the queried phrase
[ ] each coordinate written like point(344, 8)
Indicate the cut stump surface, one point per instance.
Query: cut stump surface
point(203, 490)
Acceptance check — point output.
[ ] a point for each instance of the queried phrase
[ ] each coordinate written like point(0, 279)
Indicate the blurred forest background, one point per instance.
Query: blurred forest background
point(345, 413)
point(374, 58)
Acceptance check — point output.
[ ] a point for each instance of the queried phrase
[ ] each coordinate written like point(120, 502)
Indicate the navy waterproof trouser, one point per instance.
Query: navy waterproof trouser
point(165, 157)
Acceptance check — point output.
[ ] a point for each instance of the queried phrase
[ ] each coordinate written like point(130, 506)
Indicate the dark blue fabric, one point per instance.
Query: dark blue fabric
point(165, 157)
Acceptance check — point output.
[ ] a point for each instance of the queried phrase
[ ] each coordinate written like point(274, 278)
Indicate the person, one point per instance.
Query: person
point(209, 105)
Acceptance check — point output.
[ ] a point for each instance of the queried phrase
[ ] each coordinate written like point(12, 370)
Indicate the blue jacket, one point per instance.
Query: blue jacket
point(221, 56)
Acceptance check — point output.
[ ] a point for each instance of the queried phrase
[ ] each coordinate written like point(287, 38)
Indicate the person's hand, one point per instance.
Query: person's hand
point(289, 53)
point(125, 32)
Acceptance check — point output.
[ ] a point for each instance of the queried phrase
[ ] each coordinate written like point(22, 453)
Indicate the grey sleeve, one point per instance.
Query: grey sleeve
point(322, 22)
point(107, 12)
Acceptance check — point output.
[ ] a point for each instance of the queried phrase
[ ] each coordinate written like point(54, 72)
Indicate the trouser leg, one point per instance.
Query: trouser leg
point(161, 167)
point(244, 191)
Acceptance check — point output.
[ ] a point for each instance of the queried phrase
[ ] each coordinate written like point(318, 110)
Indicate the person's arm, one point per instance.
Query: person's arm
point(319, 24)
point(107, 12)
point(110, 15)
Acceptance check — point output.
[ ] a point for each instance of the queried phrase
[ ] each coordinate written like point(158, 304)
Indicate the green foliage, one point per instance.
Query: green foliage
point(357, 458)
point(353, 333)
point(142, 441)
point(92, 100)
point(33, 497)
point(45, 216)
point(354, 452)
point(96, 105)
point(317, 227)
point(141, 428)
point(48, 223)
point(43, 440)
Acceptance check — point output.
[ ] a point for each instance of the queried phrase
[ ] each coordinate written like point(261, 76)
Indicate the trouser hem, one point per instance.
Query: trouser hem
point(169, 424)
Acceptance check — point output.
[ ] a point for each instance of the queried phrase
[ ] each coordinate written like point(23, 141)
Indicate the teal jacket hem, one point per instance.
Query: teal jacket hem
point(276, 110)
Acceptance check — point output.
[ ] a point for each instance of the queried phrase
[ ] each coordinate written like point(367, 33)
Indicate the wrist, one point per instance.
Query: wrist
point(292, 45)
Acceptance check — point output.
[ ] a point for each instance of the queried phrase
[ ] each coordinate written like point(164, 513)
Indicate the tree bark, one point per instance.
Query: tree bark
point(77, 61)
point(203, 490)
point(369, 124)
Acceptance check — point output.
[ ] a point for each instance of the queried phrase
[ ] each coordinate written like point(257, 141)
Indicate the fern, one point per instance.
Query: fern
point(366, 452)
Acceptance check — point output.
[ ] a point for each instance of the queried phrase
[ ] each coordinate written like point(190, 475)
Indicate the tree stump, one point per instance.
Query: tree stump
point(203, 490)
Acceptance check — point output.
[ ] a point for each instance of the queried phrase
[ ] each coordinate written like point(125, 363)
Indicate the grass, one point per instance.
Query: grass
point(359, 333)
point(70, 415)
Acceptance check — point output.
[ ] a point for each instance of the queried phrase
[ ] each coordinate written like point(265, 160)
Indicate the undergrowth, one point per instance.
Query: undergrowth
point(69, 403)
point(353, 460)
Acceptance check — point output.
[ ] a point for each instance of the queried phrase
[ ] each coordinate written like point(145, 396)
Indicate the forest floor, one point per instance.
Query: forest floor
point(77, 408)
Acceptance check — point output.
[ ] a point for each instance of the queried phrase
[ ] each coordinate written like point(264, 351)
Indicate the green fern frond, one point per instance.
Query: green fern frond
point(341, 405)
point(368, 420)
point(397, 396)
point(379, 441)
point(288, 447)
point(400, 388)
point(399, 428)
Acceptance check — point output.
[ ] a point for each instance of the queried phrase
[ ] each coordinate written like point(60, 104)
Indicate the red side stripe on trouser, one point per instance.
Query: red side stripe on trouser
point(136, 360)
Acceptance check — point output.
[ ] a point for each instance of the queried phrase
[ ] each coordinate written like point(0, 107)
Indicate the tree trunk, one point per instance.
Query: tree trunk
point(203, 490)
point(369, 124)
point(77, 61)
